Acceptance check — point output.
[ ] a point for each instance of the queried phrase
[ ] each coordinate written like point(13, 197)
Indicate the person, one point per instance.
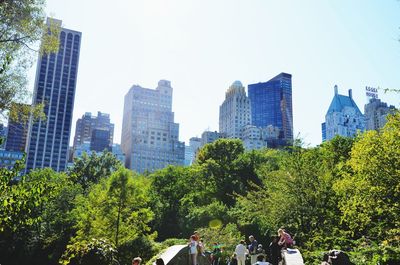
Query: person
point(274, 250)
point(260, 261)
point(253, 249)
point(136, 261)
point(285, 239)
point(160, 261)
point(326, 260)
point(201, 248)
point(234, 260)
point(216, 254)
point(197, 236)
point(241, 252)
point(193, 249)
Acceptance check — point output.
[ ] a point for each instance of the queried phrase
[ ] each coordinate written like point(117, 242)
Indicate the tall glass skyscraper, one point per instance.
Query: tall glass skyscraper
point(54, 87)
point(271, 104)
point(150, 137)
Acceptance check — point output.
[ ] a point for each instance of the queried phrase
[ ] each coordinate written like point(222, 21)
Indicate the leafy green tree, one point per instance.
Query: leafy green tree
point(90, 169)
point(116, 209)
point(218, 161)
point(21, 28)
point(370, 194)
point(94, 251)
point(227, 236)
point(40, 226)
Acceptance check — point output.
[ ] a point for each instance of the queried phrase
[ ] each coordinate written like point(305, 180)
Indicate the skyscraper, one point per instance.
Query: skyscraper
point(150, 137)
point(55, 86)
point(17, 133)
point(88, 123)
point(234, 113)
point(376, 112)
point(343, 117)
point(271, 104)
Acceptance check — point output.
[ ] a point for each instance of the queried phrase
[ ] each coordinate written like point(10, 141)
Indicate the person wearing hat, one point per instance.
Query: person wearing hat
point(241, 252)
point(253, 249)
point(136, 261)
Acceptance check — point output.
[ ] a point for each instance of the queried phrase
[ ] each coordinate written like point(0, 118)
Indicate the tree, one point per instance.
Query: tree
point(117, 209)
point(218, 162)
point(370, 193)
point(95, 251)
point(38, 226)
point(89, 170)
point(21, 27)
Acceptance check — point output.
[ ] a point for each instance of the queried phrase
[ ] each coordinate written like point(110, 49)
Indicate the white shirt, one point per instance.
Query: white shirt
point(241, 250)
point(262, 263)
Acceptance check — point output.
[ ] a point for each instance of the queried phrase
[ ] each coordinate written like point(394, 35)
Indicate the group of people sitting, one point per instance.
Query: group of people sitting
point(255, 251)
point(257, 254)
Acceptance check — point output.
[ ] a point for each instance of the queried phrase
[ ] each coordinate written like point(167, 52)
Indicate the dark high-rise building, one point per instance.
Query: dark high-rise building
point(100, 140)
point(17, 134)
point(55, 86)
point(88, 123)
point(271, 104)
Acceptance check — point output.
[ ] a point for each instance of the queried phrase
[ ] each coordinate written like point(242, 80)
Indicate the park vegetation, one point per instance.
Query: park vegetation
point(343, 194)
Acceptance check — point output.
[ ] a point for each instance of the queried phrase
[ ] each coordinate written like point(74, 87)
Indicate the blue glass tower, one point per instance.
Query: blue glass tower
point(54, 87)
point(271, 104)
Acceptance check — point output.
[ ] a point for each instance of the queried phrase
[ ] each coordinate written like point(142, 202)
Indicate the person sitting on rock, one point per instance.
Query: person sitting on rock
point(285, 239)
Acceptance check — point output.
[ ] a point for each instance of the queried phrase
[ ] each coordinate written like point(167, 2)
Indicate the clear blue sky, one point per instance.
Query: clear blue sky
point(203, 46)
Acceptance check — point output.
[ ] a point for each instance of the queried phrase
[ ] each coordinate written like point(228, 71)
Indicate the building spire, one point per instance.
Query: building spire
point(336, 90)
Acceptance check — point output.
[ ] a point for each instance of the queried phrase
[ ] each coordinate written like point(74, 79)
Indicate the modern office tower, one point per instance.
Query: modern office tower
point(234, 113)
point(55, 86)
point(17, 133)
point(191, 150)
point(343, 118)
point(271, 104)
point(375, 114)
point(85, 126)
point(150, 137)
point(100, 140)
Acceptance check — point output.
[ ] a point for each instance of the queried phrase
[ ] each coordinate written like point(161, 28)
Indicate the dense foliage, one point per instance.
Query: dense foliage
point(343, 194)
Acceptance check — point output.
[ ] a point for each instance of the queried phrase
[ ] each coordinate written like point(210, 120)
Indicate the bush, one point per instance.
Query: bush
point(94, 252)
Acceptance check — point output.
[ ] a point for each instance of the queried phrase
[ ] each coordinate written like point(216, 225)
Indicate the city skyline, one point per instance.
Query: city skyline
point(320, 43)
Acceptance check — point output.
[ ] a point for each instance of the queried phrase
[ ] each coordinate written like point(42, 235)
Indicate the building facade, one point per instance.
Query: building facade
point(271, 104)
point(8, 158)
point(85, 126)
point(376, 112)
point(210, 136)
point(150, 137)
point(100, 140)
point(191, 150)
point(55, 85)
point(17, 134)
point(253, 138)
point(343, 117)
point(234, 113)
